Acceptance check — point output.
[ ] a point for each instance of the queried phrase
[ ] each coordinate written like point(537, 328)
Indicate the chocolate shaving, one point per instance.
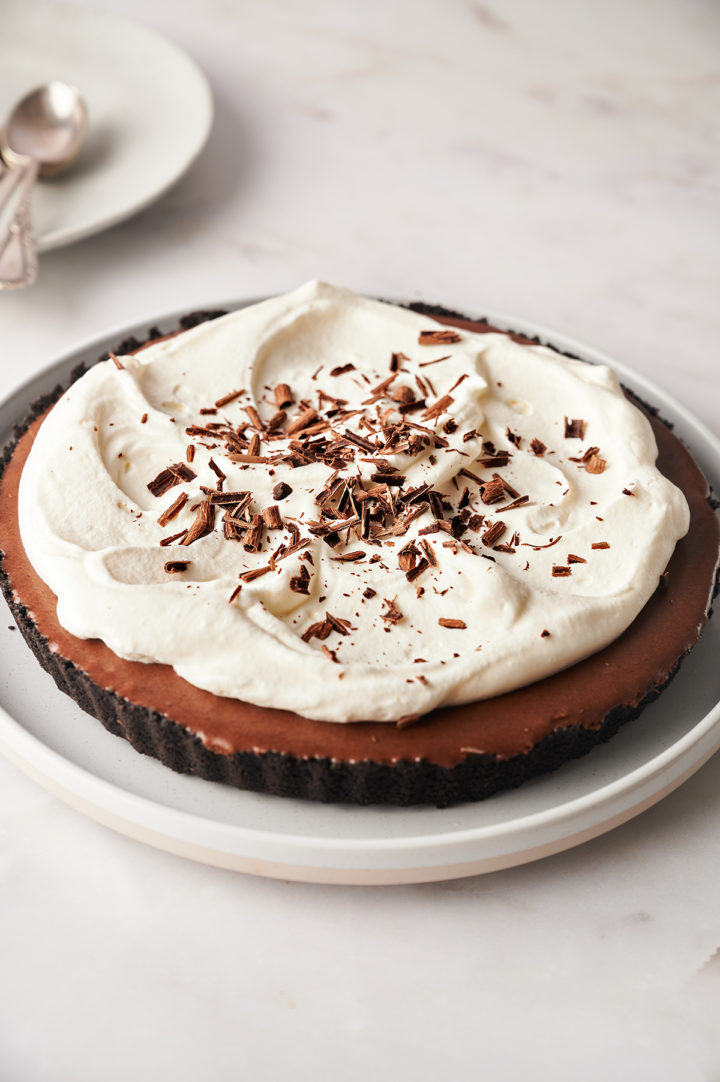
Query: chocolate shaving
point(415, 495)
point(551, 542)
point(349, 557)
point(255, 573)
point(457, 382)
point(435, 501)
point(248, 458)
point(272, 518)
point(443, 337)
point(252, 540)
point(446, 622)
point(545, 634)
point(519, 502)
point(600, 545)
point(338, 624)
point(416, 571)
point(254, 417)
point(202, 524)
point(277, 421)
point(227, 398)
point(283, 396)
point(281, 490)
point(190, 452)
point(171, 540)
point(296, 547)
point(173, 567)
point(300, 583)
point(506, 485)
point(393, 614)
point(216, 470)
point(201, 430)
point(492, 491)
point(209, 410)
point(574, 429)
point(538, 448)
point(304, 421)
point(470, 475)
point(233, 530)
point(493, 534)
point(118, 364)
point(170, 512)
point(560, 571)
point(359, 441)
point(495, 461)
point(380, 388)
point(342, 369)
point(429, 552)
point(404, 394)
point(234, 442)
point(394, 479)
point(584, 457)
point(234, 594)
point(168, 478)
point(627, 492)
point(439, 440)
point(319, 630)
point(595, 464)
point(438, 407)
point(573, 559)
point(238, 501)
point(426, 364)
point(407, 556)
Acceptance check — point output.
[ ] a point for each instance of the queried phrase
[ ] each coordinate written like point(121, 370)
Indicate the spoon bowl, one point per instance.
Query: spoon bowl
point(47, 126)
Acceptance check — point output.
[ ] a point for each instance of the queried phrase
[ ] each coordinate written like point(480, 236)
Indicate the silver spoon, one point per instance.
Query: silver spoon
point(42, 136)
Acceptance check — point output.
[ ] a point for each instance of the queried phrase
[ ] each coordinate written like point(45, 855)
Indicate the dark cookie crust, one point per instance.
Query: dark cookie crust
point(405, 782)
point(320, 779)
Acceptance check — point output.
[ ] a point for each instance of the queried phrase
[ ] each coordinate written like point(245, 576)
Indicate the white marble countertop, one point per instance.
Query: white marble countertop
point(558, 161)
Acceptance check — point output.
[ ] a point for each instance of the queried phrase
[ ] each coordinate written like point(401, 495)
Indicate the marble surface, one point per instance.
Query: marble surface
point(558, 161)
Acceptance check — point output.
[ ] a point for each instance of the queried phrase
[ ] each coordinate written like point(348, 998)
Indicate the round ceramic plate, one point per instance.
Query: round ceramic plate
point(71, 754)
point(150, 111)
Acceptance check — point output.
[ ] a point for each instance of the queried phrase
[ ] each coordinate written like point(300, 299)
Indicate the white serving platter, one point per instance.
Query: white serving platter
point(70, 754)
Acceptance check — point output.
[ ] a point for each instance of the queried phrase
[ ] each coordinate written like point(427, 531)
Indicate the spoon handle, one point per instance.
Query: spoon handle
point(15, 183)
point(18, 257)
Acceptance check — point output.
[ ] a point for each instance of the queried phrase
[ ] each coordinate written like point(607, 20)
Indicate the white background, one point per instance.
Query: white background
point(559, 161)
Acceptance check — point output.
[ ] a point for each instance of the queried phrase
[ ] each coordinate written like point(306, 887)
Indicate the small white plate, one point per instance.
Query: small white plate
point(70, 753)
point(150, 111)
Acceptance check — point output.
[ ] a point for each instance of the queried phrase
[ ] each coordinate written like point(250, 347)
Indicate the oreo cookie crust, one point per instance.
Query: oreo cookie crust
point(451, 755)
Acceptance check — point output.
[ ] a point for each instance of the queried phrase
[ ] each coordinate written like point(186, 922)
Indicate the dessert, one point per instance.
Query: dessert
point(332, 548)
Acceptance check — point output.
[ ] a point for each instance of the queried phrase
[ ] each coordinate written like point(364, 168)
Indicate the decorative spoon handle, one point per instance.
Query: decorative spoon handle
point(18, 257)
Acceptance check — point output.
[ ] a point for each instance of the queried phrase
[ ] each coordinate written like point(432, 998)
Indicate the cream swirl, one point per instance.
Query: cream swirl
point(457, 515)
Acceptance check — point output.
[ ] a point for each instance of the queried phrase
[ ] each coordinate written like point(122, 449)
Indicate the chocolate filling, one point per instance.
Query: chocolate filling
point(458, 753)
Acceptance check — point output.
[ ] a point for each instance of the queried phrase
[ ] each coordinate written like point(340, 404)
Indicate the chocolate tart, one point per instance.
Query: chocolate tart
point(451, 755)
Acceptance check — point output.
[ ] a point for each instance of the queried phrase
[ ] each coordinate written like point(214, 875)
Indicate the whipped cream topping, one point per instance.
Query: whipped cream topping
point(379, 514)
